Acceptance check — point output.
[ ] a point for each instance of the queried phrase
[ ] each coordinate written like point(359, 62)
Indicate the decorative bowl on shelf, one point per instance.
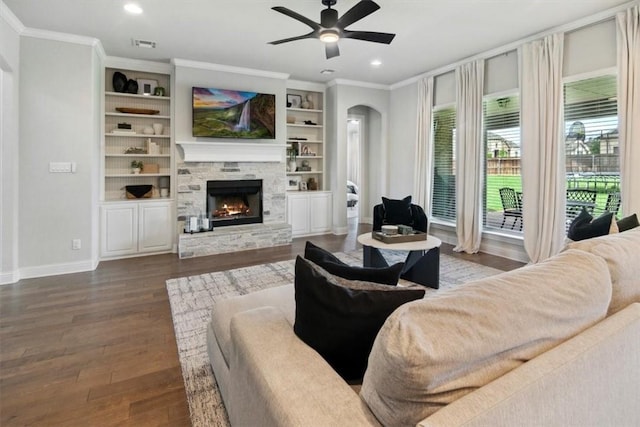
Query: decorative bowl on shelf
point(138, 191)
point(136, 110)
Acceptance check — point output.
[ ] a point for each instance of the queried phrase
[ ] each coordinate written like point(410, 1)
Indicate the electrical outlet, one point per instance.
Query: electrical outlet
point(76, 244)
point(60, 167)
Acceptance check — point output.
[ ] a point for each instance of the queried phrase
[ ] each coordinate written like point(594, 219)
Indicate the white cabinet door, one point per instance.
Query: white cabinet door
point(119, 229)
point(298, 214)
point(154, 227)
point(320, 212)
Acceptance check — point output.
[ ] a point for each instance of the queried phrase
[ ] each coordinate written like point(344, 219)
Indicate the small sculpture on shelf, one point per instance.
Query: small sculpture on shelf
point(307, 104)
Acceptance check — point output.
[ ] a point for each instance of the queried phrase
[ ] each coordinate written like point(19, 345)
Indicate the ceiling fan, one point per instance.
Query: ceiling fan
point(331, 29)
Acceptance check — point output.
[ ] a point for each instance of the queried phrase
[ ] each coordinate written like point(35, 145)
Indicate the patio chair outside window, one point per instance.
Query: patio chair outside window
point(577, 198)
point(511, 206)
point(612, 205)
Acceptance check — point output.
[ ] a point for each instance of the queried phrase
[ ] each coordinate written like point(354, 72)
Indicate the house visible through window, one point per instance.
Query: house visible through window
point(443, 206)
point(591, 146)
point(503, 181)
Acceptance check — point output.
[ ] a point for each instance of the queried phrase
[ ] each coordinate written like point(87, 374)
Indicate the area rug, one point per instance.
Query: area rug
point(192, 297)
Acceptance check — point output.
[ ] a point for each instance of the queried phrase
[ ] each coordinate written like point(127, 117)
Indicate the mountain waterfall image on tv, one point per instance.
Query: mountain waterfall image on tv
point(221, 113)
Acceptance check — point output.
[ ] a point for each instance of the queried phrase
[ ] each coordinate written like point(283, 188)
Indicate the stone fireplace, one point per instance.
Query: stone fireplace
point(194, 197)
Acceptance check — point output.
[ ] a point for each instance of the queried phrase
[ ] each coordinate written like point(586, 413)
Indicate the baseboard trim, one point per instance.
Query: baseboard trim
point(339, 231)
point(492, 243)
point(9, 278)
point(58, 269)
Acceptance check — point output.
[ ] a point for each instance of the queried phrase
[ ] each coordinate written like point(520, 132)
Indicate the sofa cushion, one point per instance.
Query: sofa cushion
point(431, 352)
point(340, 318)
point(585, 227)
point(280, 297)
point(628, 223)
point(397, 211)
point(621, 252)
point(325, 259)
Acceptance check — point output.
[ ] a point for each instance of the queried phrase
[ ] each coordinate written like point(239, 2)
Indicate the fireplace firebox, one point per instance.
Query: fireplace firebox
point(234, 202)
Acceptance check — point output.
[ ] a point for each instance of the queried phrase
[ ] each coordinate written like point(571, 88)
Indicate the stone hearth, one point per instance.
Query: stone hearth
point(192, 198)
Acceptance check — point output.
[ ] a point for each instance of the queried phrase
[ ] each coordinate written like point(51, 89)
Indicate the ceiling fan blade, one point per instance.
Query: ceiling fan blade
point(369, 36)
point(290, 13)
point(332, 50)
point(360, 10)
point(310, 35)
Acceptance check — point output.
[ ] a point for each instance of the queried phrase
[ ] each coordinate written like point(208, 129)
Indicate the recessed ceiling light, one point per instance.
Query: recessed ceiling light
point(376, 63)
point(327, 71)
point(133, 8)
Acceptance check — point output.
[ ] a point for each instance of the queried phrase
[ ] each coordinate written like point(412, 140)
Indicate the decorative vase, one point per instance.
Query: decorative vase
point(157, 128)
point(312, 184)
point(135, 171)
point(292, 166)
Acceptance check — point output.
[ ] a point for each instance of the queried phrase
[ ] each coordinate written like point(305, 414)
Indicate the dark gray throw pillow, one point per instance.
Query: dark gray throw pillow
point(340, 318)
point(628, 223)
point(585, 227)
point(397, 211)
point(328, 261)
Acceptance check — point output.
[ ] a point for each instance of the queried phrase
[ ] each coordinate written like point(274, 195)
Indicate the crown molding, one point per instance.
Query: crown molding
point(356, 83)
point(228, 69)
point(138, 65)
point(11, 18)
point(60, 37)
point(100, 51)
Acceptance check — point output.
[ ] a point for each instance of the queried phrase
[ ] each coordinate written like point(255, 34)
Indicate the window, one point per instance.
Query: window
point(503, 181)
point(591, 146)
point(443, 203)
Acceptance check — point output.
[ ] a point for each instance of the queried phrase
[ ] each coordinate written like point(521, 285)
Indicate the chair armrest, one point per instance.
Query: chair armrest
point(277, 380)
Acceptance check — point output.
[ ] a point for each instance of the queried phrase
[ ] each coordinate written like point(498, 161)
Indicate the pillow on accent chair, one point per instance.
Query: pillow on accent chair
point(585, 227)
point(628, 223)
point(386, 275)
point(397, 211)
point(340, 318)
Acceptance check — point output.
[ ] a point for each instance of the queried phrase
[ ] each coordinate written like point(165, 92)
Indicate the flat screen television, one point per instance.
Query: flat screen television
point(222, 113)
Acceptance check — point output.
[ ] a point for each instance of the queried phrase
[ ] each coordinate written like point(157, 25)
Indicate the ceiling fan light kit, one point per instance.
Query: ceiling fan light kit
point(329, 36)
point(331, 28)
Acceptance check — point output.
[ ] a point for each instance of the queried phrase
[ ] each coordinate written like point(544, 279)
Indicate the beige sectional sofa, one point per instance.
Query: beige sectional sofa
point(556, 343)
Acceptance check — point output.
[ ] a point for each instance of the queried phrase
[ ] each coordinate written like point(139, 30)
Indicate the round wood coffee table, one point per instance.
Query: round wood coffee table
point(422, 265)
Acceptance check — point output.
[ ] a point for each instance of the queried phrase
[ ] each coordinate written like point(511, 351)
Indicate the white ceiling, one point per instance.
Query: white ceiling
point(429, 33)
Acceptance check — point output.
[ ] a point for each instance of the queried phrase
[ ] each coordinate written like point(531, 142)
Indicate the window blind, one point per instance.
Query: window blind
point(443, 203)
point(502, 164)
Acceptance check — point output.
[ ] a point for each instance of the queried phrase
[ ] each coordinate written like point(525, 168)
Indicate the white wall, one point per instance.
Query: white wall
point(344, 96)
point(402, 140)
point(9, 142)
point(58, 123)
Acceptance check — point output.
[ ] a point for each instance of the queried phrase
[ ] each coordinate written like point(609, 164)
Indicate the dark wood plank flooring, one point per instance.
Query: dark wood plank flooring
point(98, 348)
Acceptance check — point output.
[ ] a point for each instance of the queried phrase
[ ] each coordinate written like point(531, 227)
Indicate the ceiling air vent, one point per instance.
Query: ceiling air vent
point(143, 43)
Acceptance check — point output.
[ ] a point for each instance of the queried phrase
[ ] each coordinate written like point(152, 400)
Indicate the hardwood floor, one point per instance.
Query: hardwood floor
point(98, 348)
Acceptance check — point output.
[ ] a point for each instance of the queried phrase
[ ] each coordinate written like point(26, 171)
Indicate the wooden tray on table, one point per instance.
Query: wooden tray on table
point(414, 236)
